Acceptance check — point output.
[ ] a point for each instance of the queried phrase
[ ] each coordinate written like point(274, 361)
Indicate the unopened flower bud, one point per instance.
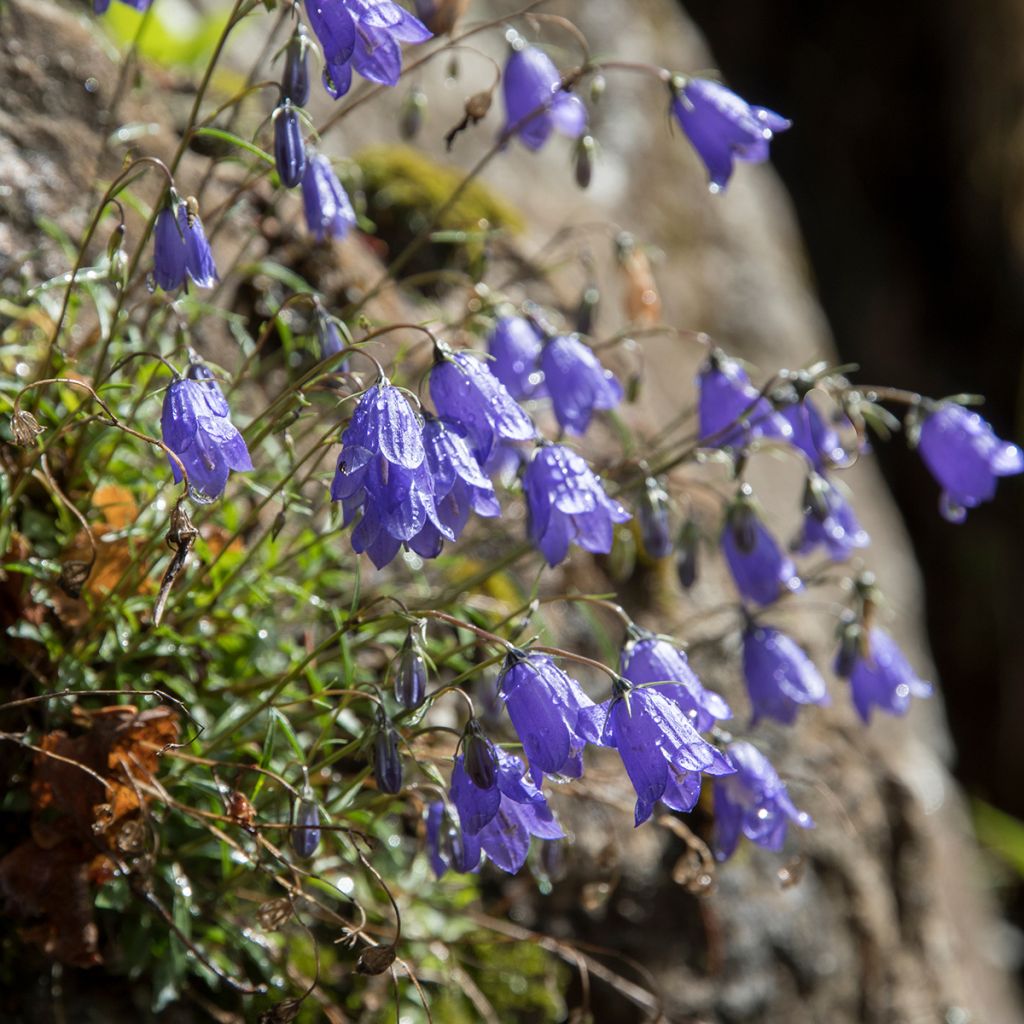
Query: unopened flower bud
point(653, 517)
point(479, 758)
point(586, 150)
point(410, 119)
point(687, 554)
point(289, 152)
point(850, 640)
point(598, 85)
point(306, 831)
point(411, 676)
point(742, 522)
point(387, 761)
point(295, 81)
point(589, 301)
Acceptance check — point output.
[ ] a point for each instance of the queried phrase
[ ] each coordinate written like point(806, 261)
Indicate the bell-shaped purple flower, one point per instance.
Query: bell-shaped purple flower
point(459, 486)
point(723, 127)
point(577, 383)
point(329, 212)
point(753, 802)
point(658, 744)
point(829, 521)
point(447, 845)
point(196, 425)
point(180, 248)
point(535, 103)
point(544, 704)
point(816, 438)
point(477, 804)
point(732, 412)
point(289, 151)
point(880, 675)
point(506, 837)
point(965, 457)
point(364, 34)
point(514, 346)
point(467, 393)
point(761, 570)
point(382, 473)
point(780, 677)
point(649, 659)
point(567, 504)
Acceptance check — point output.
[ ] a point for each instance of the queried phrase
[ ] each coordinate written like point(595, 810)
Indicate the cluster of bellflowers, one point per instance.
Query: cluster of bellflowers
point(410, 477)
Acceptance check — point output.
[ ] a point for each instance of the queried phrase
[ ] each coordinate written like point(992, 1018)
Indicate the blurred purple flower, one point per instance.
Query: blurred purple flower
point(723, 127)
point(447, 845)
point(180, 248)
point(829, 521)
point(753, 802)
point(880, 676)
point(780, 677)
point(818, 440)
point(965, 457)
point(732, 412)
point(535, 103)
point(515, 345)
point(326, 204)
point(577, 383)
point(761, 570)
point(567, 504)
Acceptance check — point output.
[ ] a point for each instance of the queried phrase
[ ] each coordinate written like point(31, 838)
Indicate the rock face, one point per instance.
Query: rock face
point(886, 921)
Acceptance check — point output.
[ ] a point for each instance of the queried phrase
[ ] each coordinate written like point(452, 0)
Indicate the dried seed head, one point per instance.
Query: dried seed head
point(25, 428)
point(281, 1013)
point(274, 914)
point(375, 960)
point(73, 575)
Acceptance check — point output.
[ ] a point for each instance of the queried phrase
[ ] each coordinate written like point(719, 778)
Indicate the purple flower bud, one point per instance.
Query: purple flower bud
point(780, 677)
point(818, 440)
point(329, 213)
point(196, 426)
point(289, 153)
point(329, 338)
point(965, 457)
point(732, 412)
point(688, 554)
point(295, 80)
point(515, 346)
point(880, 676)
point(753, 802)
point(723, 127)
point(829, 522)
point(411, 676)
point(660, 749)
point(760, 569)
point(577, 383)
point(306, 830)
point(387, 761)
point(653, 517)
point(567, 504)
point(447, 845)
point(535, 104)
point(480, 757)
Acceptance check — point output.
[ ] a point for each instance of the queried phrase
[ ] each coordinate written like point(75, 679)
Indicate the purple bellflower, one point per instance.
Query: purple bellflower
point(780, 677)
point(196, 425)
point(653, 662)
point(466, 392)
point(506, 837)
point(753, 802)
point(662, 752)
point(577, 383)
point(180, 248)
point(829, 521)
point(544, 704)
point(654, 520)
point(732, 412)
point(459, 486)
point(382, 473)
point(723, 127)
point(535, 103)
point(289, 152)
point(447, 845)
point(818, 440)
point(515, 345)
point(567, 504)
point(100, 6)
point(295, 79)
point(364, 34)
point(881, 676)
point(759, 567)
point(964, 455)
point(329, 212)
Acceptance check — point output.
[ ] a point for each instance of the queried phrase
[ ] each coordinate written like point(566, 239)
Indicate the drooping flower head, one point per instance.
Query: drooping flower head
point(650, 659)
point(196, 425)
point(329, 212)
point(544, 704)
point(964, 455)
point(731, 411)
point(577, 383)
point(567, 504)
point(382, 473)
point(829, 521)
point(753, 802)
point(506, 837)
point(289, 151)
point(723, 127)
point(447, 845)
point(514, 345)
point(816, 438)
point(535, 103)
point(880, 675)
point(759, 567)
point(465, 392)
point(653, 519)
point(365, 34)
point(459, 486)
point(662, 752)
point(180, 248)
point(387, 760)
point(780, 677)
